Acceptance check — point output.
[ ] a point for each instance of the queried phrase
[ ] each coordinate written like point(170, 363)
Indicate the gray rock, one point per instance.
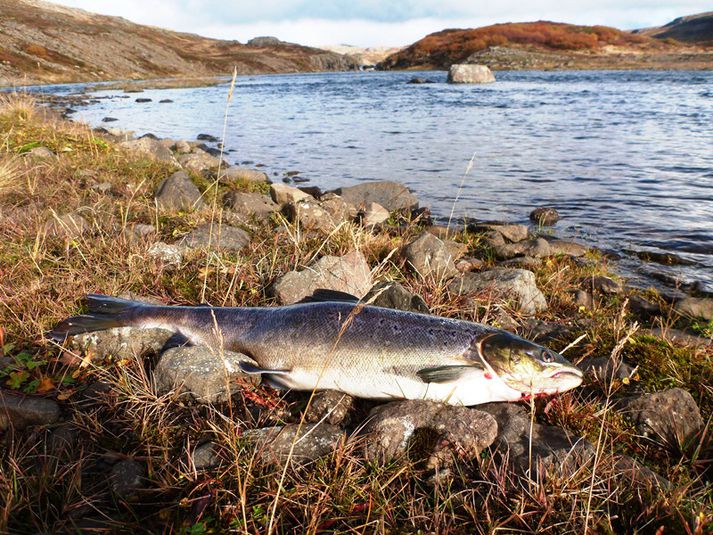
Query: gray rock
point(169, 255)
point(178, 192)
point(223, 237)
point(283, 194)
point(18, 411)
point(338, 208)
point(199, 161)
point(63, 438)
point(680, 337)
point(604, 368)
point(431, 431)
point(182, 147)
point(103, 187)
point(469, 263)
point(642, 307)
point(68, 226)
point(670, 417)
point(374, 214)
point(204, 374)
point(310, 443)
point(521, 262)
point(391, 195)
point(205, 456)
point(493, 238)
point(511, 232)
point(127, 478)
point(666, 259)
point(518, 284)
point(566, 248)
point(552, 447)
point(330, 406)
point(39, 153)
point(544, 216)
point(242, 174)
point(538, 248)
point(695, 307)
point(121, 342)
point(391, 294)
point(640, 475)
point(606, 285)
point(309, 215)
point(429, 256)
point(250, 204)
point(583, 299)
point(149, 148)
point(349, 273)
point(141, 231)
point(465, 73)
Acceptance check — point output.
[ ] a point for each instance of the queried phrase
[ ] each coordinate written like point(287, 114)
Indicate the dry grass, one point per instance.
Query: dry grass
point(117, 413)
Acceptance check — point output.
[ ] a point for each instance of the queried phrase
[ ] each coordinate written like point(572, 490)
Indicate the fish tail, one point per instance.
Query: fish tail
point(104, 312)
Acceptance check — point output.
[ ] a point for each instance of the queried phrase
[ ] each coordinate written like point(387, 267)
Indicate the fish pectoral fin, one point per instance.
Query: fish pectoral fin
point(251, 369)
point(321, 295)
point(444, 374)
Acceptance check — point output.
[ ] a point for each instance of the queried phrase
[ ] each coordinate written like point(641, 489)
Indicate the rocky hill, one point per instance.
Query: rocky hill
point(547, 45)
point(697, 29)
point(43, 42)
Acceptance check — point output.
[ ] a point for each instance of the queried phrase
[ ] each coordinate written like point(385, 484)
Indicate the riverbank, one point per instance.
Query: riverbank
point(176, 440)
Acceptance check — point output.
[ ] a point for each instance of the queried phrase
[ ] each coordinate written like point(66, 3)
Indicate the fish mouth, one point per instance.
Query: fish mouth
point(568, 373)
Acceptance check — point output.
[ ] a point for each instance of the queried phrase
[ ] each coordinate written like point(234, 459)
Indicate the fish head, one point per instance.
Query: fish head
point(528, 367)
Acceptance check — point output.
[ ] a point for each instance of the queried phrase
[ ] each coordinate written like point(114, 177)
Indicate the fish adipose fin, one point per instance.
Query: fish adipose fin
point(105, 312)
point(444, 374)
point(251, 369)
point(323, 295)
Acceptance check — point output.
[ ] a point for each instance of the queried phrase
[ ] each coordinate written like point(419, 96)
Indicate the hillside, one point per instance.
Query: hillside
point(43, 42)
point(545, 45)
point(694, 29)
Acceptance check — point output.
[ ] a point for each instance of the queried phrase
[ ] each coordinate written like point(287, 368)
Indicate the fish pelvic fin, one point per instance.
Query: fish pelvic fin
point(105, 312)
point(445, 374)
point(251, 369)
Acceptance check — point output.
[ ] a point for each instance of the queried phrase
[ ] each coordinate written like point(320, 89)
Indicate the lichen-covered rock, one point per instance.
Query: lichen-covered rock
point(250, 204)
point(309, 215)
point(205, 374)
point(18, 411)
point(178, 192)
point(330, 406)
point(283, 194)
point(518, 284)
point(428, 431)
point(311, 441)
point(391, 195)
point(169, 255)
point(466, 73)
point(121, 342)
point(429, 256)
point(349, 273)
point(219, 237)
point(390, 294)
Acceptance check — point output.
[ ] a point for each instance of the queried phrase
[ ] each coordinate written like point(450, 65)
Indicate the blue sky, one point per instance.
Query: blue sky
point(374, 22)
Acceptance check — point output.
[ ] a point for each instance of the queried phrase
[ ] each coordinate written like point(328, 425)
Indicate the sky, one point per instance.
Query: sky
point(377, 22)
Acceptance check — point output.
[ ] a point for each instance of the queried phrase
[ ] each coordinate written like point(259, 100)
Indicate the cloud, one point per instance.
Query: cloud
point(378, 23)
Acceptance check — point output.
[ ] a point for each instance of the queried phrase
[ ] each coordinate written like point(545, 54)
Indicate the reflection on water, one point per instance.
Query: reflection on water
point(626, 157)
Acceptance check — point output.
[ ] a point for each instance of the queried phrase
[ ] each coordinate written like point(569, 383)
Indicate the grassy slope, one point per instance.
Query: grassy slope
point(44, 278)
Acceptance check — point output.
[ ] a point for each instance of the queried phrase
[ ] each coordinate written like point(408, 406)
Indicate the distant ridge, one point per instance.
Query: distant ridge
point(693, 29)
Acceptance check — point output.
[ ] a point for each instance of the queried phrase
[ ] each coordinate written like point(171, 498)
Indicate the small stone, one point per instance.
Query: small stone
point(149, 148)
point(566, 248)
point(121, 342)
point(199, 161)
point(309, 215)
point(545, 216)
point(538, 248)
point(18, 411)
point(466, 73)
point(218, 237)
point(583, 299)
point(205, 456)
point(330, 406)
point(178, 192)
point(40, 153)
point(643, 308)
point(206, 375)
point(518, 284)
point(207, 137)
point(666, 259)
point(604, 368)
point(68, 226)
point(349, 273)
point(469, 263)
point(606, 285)
point(493, 238)
point(429, 256)
point(103, 187)
point(391, 294)
point(374, 214)
point(127, 478)
point(338, 208)
point(695, 307)
point(165, 101)
point(143, 100)
point(521, 262)
point(282, 194)
point(142, 231)
point(182, 147)
point(242, 174)
point(310, 443)
point(680, 337)
point(169, 255)
point(109, 119)
point(250, 204)
point(391, 195)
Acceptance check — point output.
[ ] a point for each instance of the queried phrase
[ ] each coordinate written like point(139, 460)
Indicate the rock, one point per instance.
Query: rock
point(374, 214)
point(121, 342)
point(680, 337)
point(511, 232)
point(538, 248)
point(392, 295)
point(18, 411)
point(141, 231)
point(544, 332)
point(170, 255)
point(182, 147)
point(330, 406)
point(127, 477)
point(518, 284)
point(208, 138)
point(391, 195)
point(428, 431)
point(545, 216)
point(695, 307)
point(640, 475)
point(103, 187)
point(566, 248)
point(429, 256)
point(666, 259)
point(206, 375)
point(469, 263)
point(39, 153)
point(312, 442)
point(493, 238)
point(671, 417)
point(242, 174)
point(521, 262)
point(604, 368)
point(250, 204)
point(205, 456)
point(643, 308)
point(142, 100)
point(283, 194)
point(149, 148)
point(337, 207)
point(419, 80)
point(69, 226)
point(606, 285)
point(63, 438)
point(442, 232)
point(165, 101)
point(109, 119)
point(552, 447)
point(583, 299)
point(309, 215)
point(178, 192)
point(349, 273)
point(470, 74)
point(199, 161)
point(224, 238)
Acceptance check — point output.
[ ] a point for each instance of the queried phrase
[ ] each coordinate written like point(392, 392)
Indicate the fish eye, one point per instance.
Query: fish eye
point(547, 356)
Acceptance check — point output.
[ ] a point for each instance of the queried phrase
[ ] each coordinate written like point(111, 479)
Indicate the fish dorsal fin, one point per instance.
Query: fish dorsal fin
point(445, 374)
point(321, 295)
point(247, 367)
